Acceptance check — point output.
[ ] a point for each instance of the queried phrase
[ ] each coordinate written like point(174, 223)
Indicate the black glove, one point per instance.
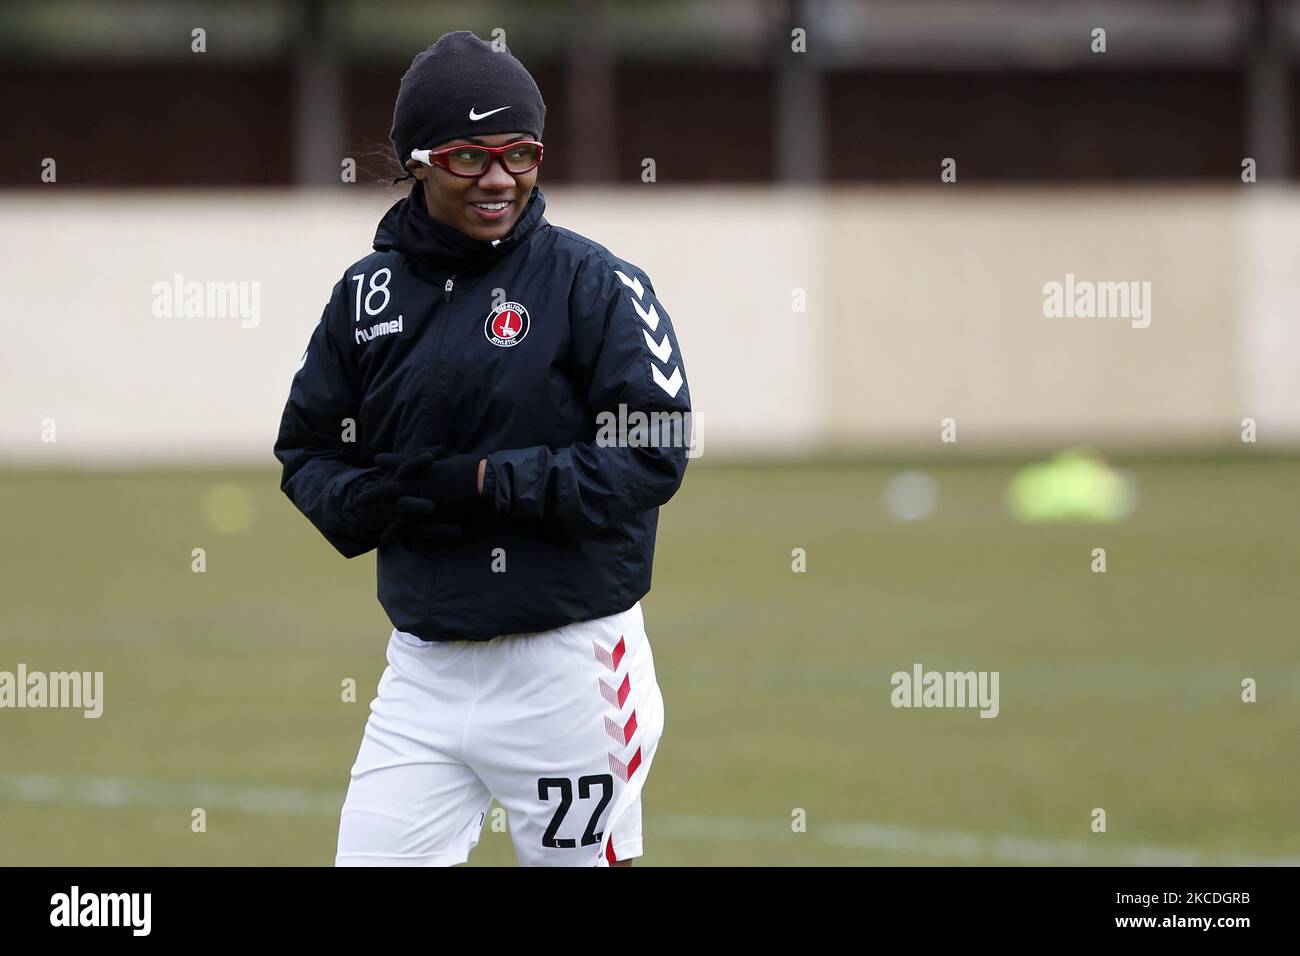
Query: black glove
point(409, 520)
point(374, 515)
point(450, 483)
point(416, 521)
point(391, 517)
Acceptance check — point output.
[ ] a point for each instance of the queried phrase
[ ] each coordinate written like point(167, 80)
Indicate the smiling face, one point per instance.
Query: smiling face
point(451, 199)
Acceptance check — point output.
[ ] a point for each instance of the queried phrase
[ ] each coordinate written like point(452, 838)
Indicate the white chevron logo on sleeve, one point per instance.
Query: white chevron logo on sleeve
point(662, 350)
point(650, 318)
point(633, 284)
point(670, 384)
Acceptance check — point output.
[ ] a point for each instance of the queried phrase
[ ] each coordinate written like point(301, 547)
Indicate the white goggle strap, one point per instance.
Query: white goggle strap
point(421, 156)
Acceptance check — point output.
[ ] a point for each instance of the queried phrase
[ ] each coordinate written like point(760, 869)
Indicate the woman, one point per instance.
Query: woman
point(448, 411)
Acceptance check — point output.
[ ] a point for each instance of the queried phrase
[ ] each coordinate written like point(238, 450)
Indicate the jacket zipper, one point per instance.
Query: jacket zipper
point(434, 366)
point(440, 333)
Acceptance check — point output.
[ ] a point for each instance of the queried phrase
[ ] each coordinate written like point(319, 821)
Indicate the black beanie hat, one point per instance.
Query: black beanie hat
point(462, 87)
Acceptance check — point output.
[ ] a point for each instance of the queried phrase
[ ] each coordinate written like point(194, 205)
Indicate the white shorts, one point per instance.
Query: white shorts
point(560, 727)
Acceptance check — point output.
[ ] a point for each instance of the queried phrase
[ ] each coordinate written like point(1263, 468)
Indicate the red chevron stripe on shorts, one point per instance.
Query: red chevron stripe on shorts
point(622, 734)
point(625, 771)
point(605, 657)
point(616, 697)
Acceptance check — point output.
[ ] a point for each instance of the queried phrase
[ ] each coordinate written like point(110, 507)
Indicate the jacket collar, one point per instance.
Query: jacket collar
point(408, 228)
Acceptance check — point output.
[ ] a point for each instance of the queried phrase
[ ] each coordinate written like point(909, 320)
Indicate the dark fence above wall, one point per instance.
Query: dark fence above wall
point(165, 126)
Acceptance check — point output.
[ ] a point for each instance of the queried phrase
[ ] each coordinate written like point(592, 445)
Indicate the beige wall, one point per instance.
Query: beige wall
point(922, 304)
point(944, 317)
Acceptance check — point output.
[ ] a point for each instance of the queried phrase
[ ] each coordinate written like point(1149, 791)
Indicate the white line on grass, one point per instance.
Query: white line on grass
point(880, 837)
point(125, 792)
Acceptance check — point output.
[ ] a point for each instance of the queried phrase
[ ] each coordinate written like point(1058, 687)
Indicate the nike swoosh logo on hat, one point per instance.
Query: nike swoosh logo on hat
point(479, 116)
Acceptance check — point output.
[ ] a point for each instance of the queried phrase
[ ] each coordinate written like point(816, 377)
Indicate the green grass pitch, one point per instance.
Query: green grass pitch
point(1118, 690)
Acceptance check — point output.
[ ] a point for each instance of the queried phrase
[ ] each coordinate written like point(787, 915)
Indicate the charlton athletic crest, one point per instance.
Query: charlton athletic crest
point(506, 325)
